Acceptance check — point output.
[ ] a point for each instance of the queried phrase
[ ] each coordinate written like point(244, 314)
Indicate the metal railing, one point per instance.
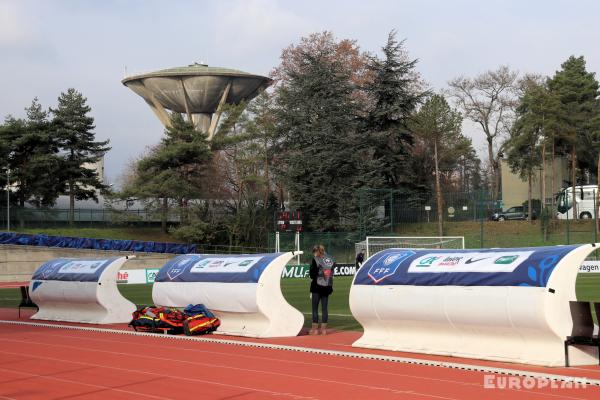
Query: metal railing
point(51, 217)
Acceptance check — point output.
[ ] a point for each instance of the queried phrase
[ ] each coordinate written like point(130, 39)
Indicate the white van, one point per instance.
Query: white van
point(584, 196)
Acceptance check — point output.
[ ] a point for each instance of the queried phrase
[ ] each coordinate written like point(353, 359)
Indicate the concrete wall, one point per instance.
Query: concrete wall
point(17, 263)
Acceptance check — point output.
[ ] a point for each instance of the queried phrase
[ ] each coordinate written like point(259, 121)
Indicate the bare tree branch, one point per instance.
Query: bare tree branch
point(489, 100)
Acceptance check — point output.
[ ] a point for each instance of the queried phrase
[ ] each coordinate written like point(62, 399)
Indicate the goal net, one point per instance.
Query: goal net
point(374, 244)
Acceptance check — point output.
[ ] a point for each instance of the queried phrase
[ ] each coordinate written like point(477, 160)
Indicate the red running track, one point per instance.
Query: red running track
point(342, 341)
point(50, 363)
point(8, 285)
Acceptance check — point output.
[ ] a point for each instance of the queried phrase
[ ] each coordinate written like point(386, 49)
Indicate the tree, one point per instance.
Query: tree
point(4, 152)
point(261, 128)
point(439, 127)
point(533, 133)
point(316, 125)
point(252, 127)
point(73, 128)
point(154, 188)
point(523, 148)
point(31, 152)
point(344, 52)
point(244, 181)
point(347, 55)
point(596, 122)
point(489, 101)
point(222, 187)
point(10, 129)
point(394, 93)
point(40, 172)
point(577, 92)
point(175, 167)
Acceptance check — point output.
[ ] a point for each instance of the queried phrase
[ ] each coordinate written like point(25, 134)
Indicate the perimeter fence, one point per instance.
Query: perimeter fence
point(483, 221)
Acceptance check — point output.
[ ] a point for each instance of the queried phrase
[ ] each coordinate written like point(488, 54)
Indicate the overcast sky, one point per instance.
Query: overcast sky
point(48, 46)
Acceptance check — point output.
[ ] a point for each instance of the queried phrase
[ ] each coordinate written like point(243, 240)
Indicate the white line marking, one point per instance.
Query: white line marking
point(312, 363)
point(258, 372)
point(238, 355)
point(108, 388)
point(335, 315)
point(367, 356)
point(162, 374)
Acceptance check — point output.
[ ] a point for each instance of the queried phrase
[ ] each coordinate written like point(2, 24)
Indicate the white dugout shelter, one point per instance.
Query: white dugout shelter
point(244, 291)
point(80, 290)
point(515, 305)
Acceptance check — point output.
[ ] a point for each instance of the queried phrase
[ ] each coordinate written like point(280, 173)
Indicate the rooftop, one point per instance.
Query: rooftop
point(192, 69)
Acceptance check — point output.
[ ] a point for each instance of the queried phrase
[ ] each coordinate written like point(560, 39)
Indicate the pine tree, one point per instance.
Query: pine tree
point(174, 168)
point(533, 132)
point(524, 147)
point(11, 130)
point(4, 171)
point(73, 128)
point(151, 186)
point(41, 174)
point(31, 153)
point(439, 126)
point(317, 128)
point(394, 93)
point(577, 92)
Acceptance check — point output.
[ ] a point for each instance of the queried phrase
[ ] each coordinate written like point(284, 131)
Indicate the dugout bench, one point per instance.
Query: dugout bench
point(583, 327)
point(26, 301)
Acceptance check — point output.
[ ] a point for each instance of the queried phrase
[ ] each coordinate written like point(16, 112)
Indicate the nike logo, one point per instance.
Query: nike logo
point(470, 260)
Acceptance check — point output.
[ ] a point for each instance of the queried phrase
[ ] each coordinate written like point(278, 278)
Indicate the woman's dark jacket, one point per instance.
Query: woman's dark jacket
point(314, 286)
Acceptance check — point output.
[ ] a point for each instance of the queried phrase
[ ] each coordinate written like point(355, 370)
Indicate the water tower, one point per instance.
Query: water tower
point(199, 91)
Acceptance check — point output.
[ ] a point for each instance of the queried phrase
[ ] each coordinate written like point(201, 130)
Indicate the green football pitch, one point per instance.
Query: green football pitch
point(295, 291)
point(297, 294)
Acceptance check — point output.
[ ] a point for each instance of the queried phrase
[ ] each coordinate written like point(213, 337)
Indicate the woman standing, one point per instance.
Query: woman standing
point(321, 286)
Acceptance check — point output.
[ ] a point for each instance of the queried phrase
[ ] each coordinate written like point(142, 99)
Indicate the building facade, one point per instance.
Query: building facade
point(515, 190)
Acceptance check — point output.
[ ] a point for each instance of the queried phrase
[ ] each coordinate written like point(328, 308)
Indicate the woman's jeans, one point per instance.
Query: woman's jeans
point(316, 298)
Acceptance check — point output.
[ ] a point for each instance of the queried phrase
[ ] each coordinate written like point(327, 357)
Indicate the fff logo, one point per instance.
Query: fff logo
point(391, 262)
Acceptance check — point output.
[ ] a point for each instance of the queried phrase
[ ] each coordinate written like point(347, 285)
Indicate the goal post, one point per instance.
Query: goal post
point(374, 244)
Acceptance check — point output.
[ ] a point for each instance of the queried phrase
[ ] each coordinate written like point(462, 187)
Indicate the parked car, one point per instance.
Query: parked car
point(518, 212)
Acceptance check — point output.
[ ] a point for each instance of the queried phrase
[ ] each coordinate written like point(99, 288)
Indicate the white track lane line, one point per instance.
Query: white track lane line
point(281, 360)
point(404, 360)
point(212, 364)
point(312, 364)
point(107, 388)
point(161, 375)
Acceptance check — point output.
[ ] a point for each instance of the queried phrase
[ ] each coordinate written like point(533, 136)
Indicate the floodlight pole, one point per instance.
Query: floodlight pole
point(8, 199)
point(297, 240)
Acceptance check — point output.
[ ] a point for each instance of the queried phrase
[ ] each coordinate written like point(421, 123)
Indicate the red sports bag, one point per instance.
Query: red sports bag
point(153, 319)
point(200, 324)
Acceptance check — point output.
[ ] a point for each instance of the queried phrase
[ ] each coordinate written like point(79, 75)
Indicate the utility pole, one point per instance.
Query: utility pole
point(8, 199)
